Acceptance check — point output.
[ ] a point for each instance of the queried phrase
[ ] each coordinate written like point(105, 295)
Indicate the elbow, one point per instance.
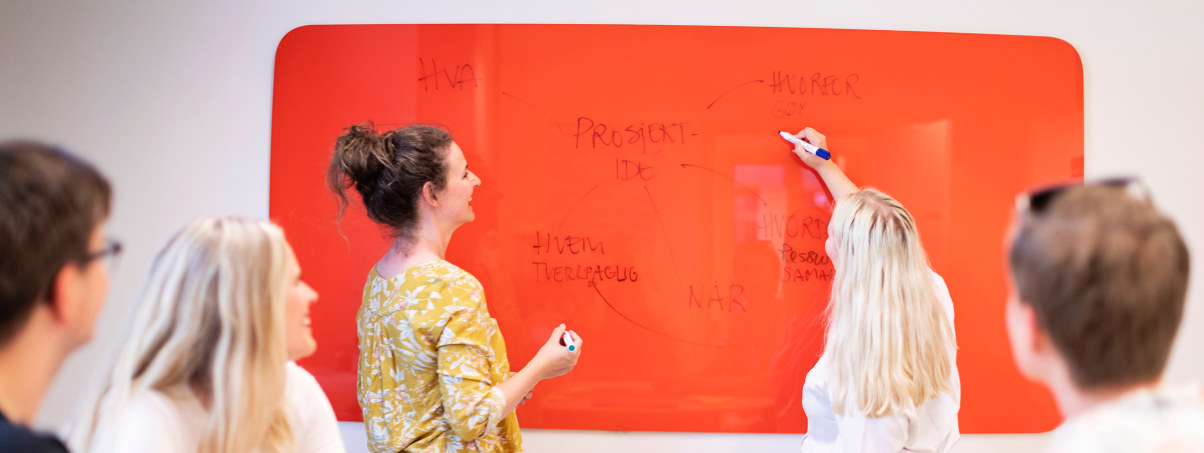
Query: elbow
point(474, 420)
point(470, 429)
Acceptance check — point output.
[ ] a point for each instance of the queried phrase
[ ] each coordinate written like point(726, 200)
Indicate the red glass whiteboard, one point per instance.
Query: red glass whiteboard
point(634, 187)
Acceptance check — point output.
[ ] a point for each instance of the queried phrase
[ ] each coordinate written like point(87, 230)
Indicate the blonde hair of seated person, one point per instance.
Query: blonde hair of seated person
point(210, 321)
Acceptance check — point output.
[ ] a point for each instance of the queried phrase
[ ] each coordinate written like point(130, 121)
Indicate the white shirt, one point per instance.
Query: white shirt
point(932, 427)
point(159, 423)
point(1167, 420)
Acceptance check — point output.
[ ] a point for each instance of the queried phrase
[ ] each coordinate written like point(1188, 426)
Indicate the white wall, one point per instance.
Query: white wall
point(173, 101)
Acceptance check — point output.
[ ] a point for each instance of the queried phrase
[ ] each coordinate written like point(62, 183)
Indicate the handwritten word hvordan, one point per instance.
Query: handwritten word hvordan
point(777, 225)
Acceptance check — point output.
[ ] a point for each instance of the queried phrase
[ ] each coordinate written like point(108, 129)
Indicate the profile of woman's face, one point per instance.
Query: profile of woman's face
point(456, 196)
point(298, 297)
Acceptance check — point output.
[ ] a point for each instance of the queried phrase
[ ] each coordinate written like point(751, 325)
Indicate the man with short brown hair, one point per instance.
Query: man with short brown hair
point(53, 276)
point(1097, 288)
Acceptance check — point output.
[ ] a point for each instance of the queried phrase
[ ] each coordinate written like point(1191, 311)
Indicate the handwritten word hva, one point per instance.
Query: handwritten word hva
point(431, 77)
point(584, 273)
point(815, 84)
point(790, 226)
point(547, 243)
point(716, 301)
point(595, 134)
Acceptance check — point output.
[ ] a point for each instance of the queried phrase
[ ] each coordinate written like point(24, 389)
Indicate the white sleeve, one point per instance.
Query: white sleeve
point(148, 424)
point(312, 418)
point(878, 434)
point(942, 293)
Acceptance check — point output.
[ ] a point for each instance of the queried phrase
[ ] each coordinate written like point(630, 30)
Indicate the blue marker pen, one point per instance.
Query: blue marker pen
point(568, 341)
point(807, 146)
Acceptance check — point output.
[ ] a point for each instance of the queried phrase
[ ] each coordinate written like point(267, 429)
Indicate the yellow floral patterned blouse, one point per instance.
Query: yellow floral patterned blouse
point(430, 356)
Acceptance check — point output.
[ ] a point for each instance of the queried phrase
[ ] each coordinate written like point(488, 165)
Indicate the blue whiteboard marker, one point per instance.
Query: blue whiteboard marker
point(807, 146)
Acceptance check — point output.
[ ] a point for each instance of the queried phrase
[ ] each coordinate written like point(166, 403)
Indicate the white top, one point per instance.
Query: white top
point(158, 423)
point(1146, 420)
point(932, 427)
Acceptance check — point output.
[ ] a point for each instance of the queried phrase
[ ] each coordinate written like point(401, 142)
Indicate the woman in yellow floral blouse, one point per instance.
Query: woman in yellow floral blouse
point(433, 371)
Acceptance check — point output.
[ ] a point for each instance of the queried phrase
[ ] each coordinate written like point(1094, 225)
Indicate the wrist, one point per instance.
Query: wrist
point(826, 166)
point(534, 371)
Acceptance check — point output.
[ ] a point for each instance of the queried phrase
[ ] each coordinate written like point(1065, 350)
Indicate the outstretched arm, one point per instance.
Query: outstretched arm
point(833, 176)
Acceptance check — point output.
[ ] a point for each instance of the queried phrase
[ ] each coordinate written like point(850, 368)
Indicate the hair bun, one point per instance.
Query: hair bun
point(363, 155)
point(388, 170)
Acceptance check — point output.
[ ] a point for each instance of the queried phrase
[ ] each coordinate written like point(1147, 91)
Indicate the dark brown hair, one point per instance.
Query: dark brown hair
point(51, 202)
point(388, 170)
point(1106, 274)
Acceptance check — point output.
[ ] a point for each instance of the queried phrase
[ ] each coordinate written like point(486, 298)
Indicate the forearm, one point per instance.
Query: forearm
point(517, 387)
point(836, 181)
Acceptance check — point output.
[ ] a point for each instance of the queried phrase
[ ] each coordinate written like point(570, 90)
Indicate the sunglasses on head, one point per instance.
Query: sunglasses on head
point(1038, 200)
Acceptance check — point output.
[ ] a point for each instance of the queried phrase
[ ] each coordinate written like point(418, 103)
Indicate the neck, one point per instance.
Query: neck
point(27, 366)
point(1074, 401)
point(428, 241)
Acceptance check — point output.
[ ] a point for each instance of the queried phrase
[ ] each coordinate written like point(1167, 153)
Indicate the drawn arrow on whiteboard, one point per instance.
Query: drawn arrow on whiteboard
point(729, 178)
point(574, 206)
point(712, 104)
point(665, 233)
point(545, 112)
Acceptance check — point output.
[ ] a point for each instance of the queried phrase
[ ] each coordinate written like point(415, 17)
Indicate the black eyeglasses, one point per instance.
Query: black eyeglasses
point(1038, 200)
point(109, 254)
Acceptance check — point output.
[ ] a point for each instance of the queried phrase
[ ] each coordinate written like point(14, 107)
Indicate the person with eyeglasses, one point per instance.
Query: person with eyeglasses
point(1097, 285)
point(887, 380)
point(54, 274)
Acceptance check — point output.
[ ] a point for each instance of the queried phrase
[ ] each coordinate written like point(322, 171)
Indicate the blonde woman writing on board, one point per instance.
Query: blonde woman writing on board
point(887, 380)
point(433, 370)
point(206, 368)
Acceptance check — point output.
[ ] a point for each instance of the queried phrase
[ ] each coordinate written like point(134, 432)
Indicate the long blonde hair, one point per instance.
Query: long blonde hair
point(210, 323)
point(889, 342)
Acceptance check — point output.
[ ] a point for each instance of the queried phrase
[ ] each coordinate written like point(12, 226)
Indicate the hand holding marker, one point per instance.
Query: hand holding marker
point(807, 146)
point(568, 341)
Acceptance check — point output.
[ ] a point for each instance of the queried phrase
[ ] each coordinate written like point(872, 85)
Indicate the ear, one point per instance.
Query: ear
point(65, 294)
point(1022, 324)
point(1031, 346)
point(428, 194)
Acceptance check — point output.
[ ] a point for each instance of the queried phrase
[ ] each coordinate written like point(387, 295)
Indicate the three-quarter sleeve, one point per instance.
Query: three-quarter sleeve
point(465, 373)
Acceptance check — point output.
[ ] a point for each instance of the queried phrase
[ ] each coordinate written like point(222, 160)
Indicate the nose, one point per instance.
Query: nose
point(476, 180)
point(313, 294)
